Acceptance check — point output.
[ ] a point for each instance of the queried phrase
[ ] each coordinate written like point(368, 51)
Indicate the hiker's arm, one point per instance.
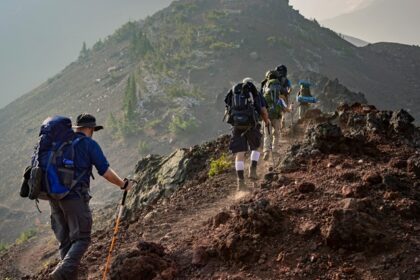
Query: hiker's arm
point(113, 178)
point(264, 116)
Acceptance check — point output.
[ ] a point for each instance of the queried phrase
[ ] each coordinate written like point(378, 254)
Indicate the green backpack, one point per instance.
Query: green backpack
point(272, 92)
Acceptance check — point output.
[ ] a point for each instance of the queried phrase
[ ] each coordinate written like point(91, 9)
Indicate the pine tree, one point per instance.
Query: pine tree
point(84, 52)
point(130, 106)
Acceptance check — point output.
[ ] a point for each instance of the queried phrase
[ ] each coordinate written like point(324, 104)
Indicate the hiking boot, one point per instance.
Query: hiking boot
point(241, 185)
point(55, 275)
point(253, 173)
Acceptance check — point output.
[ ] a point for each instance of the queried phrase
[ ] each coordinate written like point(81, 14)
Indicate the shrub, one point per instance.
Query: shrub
point(25, 236)
point(181, 127)
point(220, 165)
point(3, 246)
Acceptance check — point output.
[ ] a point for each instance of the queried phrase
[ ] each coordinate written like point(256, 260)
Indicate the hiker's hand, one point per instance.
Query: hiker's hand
point(128, 184)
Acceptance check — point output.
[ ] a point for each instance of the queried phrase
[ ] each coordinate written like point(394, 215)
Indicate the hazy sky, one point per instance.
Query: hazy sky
point(324, 9)
point(40, 37)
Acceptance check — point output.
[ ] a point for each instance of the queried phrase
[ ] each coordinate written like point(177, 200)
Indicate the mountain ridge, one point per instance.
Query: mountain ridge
point(183, 60)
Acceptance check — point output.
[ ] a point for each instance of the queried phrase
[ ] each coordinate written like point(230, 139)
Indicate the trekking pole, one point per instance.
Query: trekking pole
point(114, 237)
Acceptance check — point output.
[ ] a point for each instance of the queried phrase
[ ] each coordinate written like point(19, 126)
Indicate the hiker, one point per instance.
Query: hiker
point(71, 217)
point(285, 90)
point(243, 108)
point(274, 92)
point(304, 98)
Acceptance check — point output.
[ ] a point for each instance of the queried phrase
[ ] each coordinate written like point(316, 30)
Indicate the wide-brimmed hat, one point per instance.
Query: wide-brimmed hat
point(87, 120)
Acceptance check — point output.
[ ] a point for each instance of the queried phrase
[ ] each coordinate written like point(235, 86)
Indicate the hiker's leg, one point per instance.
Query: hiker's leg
point(60, 227)
point(276, 123)
point(267, 142)
point(79, 219)
point(299, 112)
point(240, 164)
point(238, 145)
point(254, 139)
point(240, 167)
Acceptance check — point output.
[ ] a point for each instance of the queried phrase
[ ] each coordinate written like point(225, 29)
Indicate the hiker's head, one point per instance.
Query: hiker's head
point(86, 123)
point(282, 70)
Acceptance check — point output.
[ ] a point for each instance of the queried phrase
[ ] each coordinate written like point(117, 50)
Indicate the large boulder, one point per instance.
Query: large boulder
point(352, 227)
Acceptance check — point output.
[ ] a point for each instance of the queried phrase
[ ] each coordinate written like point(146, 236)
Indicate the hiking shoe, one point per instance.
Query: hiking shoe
point(241, 185)
point(54, 276)
point(253, 173)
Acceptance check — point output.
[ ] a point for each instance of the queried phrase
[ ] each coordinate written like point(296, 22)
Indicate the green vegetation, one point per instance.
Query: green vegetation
point(275, 42)
point(84, 52)
point(154, 123)
point(215, 15)
point(3, 246)
point(180, 90)
point(98, 45)
point(217, 46)
point(181, 127)
point(220, 165)
point(143, 148)
point(140, 45)
point(127, 126)
point(25, 236)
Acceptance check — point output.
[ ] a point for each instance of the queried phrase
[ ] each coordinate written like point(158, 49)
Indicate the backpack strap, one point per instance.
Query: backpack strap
point(73, 145)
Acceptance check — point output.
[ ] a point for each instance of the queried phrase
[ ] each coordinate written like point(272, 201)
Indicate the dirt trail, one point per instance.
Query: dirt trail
point(182, 220)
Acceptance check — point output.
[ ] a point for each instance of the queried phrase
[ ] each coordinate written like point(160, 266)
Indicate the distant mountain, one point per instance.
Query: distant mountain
point(381, 21)
point(180, 63)
point(355, 41)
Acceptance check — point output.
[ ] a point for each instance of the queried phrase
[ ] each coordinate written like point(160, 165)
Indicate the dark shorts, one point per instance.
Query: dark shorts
point(244, 140)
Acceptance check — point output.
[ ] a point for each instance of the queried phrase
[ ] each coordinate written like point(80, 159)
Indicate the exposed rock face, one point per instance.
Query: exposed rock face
point(160, 176)
point(356, 125)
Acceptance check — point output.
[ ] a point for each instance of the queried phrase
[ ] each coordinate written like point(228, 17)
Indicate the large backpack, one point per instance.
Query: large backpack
point(52, 171)
point(272, 92)
point(304, 95)
point(242, 111)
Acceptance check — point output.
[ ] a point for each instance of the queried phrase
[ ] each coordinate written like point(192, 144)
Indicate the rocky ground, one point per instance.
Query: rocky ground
point(343, 203)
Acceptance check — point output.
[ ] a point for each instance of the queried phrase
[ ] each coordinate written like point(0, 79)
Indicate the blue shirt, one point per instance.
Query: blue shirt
point(88, 153)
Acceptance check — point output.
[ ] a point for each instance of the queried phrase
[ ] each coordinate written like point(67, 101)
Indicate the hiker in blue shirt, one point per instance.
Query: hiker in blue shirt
point(71, 217)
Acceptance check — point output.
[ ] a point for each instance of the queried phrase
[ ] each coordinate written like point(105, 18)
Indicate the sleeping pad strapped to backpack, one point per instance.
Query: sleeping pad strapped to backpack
point(52, 171)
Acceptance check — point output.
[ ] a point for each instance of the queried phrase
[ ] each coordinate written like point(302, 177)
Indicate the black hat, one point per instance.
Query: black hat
point(87, 120)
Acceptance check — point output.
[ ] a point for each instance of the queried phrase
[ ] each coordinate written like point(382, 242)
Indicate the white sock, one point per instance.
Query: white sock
point(255, 156)
point(239, 165)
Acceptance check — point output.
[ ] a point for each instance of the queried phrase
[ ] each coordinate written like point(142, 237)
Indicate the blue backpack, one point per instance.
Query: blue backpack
point(52, 171)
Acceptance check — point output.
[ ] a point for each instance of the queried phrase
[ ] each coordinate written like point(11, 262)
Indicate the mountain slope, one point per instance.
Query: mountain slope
point(319, 214)
point(381, 21)
point(183, 59)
